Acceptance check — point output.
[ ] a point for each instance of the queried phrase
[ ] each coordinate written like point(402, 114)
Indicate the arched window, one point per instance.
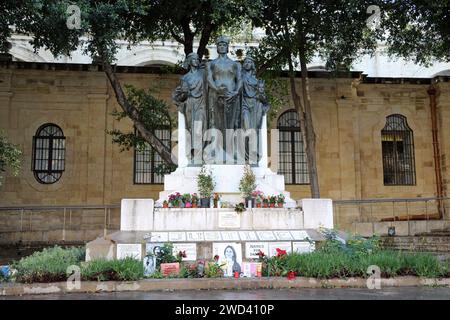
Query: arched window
point(147, 159)
point(398, 152)
point(292, 157)
point(49, 152)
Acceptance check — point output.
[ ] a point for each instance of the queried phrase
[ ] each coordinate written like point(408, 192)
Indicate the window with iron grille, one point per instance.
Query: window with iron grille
point(398, 152)
point(292, 157)
point(147, 159)
point(49, 152)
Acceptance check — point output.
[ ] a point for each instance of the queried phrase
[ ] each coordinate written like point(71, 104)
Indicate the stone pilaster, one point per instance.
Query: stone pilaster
point(95, 191)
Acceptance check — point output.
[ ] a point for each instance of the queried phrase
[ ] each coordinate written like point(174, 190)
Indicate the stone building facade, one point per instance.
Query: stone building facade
point(349, 115)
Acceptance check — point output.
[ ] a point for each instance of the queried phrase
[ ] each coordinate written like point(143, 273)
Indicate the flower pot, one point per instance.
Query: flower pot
point(265, 205)
point(215, 203)
point(188, 205)
point(165, 205)
point(280, 205)
point(205, 202)
point(259, 205)
point(272, 205)
point(194, 205)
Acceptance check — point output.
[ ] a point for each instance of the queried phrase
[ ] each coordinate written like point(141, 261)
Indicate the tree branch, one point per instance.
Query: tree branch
point(133, 113)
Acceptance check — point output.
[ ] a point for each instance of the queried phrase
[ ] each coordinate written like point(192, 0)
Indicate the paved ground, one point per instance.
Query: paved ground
point(405, 293)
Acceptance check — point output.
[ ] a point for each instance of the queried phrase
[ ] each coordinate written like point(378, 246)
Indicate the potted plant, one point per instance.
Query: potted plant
point(165, 204)
point(272, 201)
point(265, 203)
point(280, 200)
point(216, 199)
point(258, 202)
point(259, 196)
point(187, 200)
point(195, 200)
point(175, 200)
point(205, 186)
point(247, 185)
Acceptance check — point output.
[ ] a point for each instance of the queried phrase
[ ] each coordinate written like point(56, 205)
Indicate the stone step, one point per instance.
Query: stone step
point(427, 243)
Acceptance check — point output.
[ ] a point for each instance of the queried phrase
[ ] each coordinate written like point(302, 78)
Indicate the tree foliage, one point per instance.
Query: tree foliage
point(153, 112)
point(417, 29)
point(296, 32)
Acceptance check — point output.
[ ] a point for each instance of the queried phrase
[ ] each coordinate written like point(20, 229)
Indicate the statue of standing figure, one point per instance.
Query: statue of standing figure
point(254, 100)
point(222, 96)
point(224, 88)
point(190, 99)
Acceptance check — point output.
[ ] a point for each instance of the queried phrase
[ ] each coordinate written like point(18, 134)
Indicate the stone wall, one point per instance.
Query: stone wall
point(348, 114)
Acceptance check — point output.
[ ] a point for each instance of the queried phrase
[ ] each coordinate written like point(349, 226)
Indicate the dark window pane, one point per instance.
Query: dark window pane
point(292, 157)
point(146, 160)
point(397, 143)
point(48, 154)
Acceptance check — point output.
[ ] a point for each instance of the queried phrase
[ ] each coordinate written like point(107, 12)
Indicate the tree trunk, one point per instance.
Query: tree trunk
point(204, 39)
point(296, 98)
point(131, 111)
point(310, 145)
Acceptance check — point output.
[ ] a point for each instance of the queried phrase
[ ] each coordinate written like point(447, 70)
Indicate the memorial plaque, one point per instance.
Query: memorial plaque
point(170, 268)
point(273, 246)
point(266, 235)
point(195, 236)
point(299, 234)
point(248, 236)
point(159, 237)
point(177, 236)
point(252, 249)
point(303, 247)
point(230, 235)
point(283, 235)
point(229, 220)
point(212, 236)
point(189, 248)
point(125, 250)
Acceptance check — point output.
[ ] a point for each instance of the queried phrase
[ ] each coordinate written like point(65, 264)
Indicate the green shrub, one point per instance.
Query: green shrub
point(127, 269)
point(425, 265)
point(48, 265)
point(337, 260)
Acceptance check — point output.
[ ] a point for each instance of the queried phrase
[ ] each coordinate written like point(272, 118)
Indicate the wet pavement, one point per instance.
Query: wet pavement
point(405, 293)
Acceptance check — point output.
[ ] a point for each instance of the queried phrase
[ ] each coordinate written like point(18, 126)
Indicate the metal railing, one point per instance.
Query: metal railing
point(396, 209)
point(63, 219)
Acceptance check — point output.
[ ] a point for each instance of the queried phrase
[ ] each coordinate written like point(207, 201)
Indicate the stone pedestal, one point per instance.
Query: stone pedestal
point(199, 228)
point(227, 178)
point(136, 214)
point(318, 213)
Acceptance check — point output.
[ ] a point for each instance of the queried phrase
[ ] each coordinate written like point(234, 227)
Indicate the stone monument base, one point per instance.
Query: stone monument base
point(198, 231)
point(227, 178)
